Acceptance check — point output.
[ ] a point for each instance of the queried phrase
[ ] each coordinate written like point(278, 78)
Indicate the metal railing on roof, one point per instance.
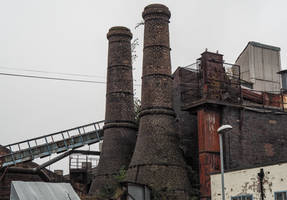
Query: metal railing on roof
point(220, 83)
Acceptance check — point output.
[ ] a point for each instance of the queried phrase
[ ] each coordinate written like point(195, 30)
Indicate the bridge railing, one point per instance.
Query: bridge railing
point(58, 142)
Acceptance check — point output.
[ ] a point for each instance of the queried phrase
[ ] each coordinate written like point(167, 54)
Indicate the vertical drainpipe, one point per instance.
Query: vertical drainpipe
point(120, 127)
point(261, 177)
point(157, 161)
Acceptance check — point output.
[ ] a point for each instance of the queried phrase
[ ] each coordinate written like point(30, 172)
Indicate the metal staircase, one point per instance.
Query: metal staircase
point(46, 145)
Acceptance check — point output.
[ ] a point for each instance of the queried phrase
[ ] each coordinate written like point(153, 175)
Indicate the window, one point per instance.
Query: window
point(138, 192)
point(281, 195)
point(242, 197)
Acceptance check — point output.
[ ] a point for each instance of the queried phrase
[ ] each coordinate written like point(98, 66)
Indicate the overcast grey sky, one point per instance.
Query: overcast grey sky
point(69, 36)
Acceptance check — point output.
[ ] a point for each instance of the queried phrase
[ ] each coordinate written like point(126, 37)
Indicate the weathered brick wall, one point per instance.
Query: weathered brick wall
point(5, 184)
point(120, 127)
point(157, 160)
point(190, 87)
point(257, 138)
point(7, 177)
point(186, 123)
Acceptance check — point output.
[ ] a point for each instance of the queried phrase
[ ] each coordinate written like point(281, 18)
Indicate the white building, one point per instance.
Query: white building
point(245, 184)
point(259, 64)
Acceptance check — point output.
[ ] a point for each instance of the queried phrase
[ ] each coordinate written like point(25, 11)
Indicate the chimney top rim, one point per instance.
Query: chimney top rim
point(156, 9)
point(119, 30)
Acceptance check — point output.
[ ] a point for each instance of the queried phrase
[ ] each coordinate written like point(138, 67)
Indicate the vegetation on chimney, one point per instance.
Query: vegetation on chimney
point(115, 191)
point(137, 104)
point(112, 191)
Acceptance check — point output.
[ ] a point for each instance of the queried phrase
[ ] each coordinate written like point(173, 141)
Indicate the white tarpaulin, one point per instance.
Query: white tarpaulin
point(21, 190)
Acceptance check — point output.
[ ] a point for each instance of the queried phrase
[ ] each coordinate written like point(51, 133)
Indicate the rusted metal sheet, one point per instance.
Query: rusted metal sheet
point(252, 96)
point(208, 144)
point(208, 163)
point(285, 102)
point(264, 98)
point(208, 122)
point(272, 99)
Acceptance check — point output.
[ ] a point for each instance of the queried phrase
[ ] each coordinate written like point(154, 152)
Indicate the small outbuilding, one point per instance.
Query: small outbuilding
point(262, 182)
point(21, 190)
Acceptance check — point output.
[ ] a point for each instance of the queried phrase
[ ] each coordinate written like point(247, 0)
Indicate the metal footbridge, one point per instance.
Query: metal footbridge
point(46, 145)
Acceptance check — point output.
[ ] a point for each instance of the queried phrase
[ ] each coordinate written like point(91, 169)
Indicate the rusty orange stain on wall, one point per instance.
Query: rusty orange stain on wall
point(208, 140)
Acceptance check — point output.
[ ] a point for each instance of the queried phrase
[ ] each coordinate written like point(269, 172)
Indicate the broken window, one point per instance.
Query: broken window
point(242, 197)
point(281, 195)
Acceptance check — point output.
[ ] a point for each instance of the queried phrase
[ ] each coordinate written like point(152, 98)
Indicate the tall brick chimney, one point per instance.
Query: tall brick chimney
point(157, 160)
point(120, 128)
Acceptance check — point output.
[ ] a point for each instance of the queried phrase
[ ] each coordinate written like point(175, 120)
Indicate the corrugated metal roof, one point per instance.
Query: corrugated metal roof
point(260, 45)
point(21, 190)
point(265, 46)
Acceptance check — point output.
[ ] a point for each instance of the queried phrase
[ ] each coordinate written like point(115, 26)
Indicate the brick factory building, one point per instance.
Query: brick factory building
point(211, 93)
point(175, 149)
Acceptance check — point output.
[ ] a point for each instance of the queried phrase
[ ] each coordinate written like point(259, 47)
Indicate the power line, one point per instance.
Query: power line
point(55, 78)
point(51, 78)
point(49, 72)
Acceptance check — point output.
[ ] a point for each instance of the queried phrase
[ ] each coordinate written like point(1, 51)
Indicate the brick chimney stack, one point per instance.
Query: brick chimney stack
point(157, 161)
point(120, 127)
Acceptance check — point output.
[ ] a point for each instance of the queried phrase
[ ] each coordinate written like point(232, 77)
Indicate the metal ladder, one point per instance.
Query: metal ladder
point(46, 145)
